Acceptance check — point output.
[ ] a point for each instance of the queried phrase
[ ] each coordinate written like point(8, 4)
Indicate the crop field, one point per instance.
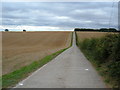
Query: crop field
point(22, 48)
point(84, 35)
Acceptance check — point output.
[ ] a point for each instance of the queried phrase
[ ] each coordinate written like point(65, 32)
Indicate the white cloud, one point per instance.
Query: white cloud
point(61, 17)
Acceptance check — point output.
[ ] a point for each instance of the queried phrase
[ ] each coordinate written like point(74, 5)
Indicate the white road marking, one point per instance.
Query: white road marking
point(21, 84)
point(86, 69)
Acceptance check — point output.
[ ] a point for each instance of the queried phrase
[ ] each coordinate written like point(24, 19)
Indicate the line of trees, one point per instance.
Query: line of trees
point(97, 30)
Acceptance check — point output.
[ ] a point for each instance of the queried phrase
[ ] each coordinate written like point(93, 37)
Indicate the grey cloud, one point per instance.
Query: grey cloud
point(70, 15)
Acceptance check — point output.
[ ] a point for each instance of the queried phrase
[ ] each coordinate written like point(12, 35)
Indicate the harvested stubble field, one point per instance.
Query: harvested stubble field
point(22, 48)
point(84, 35)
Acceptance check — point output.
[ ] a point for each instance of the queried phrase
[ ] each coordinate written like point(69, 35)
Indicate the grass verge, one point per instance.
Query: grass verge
point(71, 39)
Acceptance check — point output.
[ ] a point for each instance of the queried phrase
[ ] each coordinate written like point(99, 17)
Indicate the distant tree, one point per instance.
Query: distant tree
point(24, 30)
point(112, 30)
point(77, 29)
point(104, 29)
point(85, 29)
point(108, 30)
point(6, 30)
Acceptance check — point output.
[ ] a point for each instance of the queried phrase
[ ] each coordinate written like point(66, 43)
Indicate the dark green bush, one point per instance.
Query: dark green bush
point(114, 72)
point(116, 49)
point(114, 69)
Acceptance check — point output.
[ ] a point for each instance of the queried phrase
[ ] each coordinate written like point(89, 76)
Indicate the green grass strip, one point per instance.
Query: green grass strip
point(71, 39)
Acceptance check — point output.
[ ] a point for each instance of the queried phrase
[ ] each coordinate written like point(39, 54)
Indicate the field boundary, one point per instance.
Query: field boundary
point(11, 79)
point(71, 40)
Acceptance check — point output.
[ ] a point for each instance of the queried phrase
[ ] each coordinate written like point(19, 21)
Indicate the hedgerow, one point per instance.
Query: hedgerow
point(105, 52)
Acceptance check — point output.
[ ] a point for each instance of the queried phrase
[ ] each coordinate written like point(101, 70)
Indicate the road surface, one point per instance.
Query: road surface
point(70, 69)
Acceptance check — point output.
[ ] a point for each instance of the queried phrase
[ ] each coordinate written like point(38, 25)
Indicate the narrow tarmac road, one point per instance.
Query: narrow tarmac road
point(70, 69)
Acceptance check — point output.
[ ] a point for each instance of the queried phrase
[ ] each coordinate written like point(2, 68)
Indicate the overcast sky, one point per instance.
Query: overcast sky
point(62, 16)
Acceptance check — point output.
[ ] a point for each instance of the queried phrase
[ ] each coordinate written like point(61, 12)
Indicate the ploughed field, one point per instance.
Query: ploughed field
point(22, 48)
point(87, 35)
